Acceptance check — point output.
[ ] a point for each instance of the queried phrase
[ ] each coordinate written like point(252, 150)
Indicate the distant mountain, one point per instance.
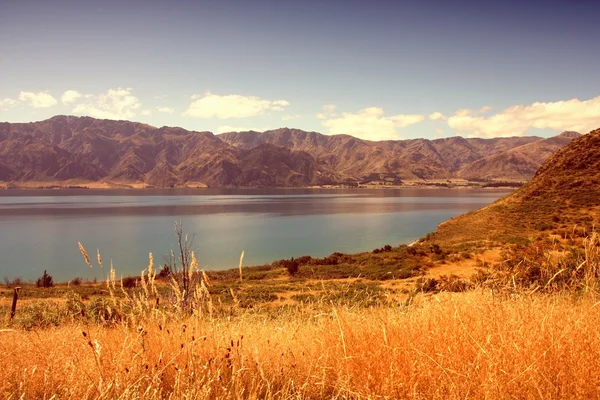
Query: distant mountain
point(514, 158)
point(563, 195)
point(83, 149)
point(89, 150)
point(518, 162)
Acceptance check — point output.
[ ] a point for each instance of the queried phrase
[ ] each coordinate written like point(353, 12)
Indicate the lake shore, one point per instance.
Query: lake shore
point(408, 184)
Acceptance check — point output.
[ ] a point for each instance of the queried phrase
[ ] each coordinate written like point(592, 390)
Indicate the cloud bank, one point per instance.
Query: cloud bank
point(369, 123)
point(38, 100)
point(117, 103)
point(574, 114)
point(70, 96)
point(211, 105)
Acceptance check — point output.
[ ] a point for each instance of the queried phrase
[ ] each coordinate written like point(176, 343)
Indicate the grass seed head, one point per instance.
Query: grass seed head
point(84, 254)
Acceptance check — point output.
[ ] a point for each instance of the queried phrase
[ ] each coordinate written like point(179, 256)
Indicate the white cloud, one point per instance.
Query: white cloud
point(211, 105)
point(328, 111)
point(329, 108)
point(7, 102)
point(290, 117)
point(369, 123)
point(38, 100)
point(70, 96)
point(146, 112)
point(117, 103)
point(573, 114)
point(403, 120)
point(436, 115)
point(485, 109)
point(166, 110)
point(227, 128)
point(439, 131)
point(463, 112)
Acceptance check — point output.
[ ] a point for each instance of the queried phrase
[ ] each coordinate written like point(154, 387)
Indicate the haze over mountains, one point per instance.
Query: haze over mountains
point(68, 148)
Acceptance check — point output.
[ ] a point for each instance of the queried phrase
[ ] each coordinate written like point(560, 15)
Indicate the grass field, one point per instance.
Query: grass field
point(466, 345)
point(526, 328)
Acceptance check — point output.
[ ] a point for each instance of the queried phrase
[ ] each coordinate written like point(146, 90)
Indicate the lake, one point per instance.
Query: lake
point(39, 229)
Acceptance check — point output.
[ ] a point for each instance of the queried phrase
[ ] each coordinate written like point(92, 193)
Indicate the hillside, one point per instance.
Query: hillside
point(453, 157)
point(78, 150)
point(407, 159)
point(91, 150)
point(517, 162)
point(563, 197)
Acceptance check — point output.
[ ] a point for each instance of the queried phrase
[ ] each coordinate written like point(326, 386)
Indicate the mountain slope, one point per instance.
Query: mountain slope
point(75, 150)
point(564, 193)
point(89, 150)
point(516, 162)
point(453, 157)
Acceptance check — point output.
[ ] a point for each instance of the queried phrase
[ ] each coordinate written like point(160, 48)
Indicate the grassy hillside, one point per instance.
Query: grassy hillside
point(563, 195)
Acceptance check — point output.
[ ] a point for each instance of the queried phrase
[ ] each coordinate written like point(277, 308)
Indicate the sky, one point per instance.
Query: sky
point(372, 69)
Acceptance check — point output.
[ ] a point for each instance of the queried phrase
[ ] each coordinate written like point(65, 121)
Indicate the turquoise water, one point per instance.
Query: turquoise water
point(39, 229)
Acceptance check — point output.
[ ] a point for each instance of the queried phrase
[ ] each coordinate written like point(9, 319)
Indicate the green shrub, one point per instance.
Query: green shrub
point(102, 310)
point(130, 282)
point(40, 314)
point(454, 283)
point(45, 280)
point(427, 285)
point(76, 282)
point(74, 306)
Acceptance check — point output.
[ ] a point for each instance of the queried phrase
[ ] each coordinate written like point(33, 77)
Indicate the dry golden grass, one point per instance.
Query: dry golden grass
point(465, 267)
point(468, 345)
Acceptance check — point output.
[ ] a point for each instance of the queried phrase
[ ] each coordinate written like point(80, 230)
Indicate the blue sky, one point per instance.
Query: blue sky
point(373, 69)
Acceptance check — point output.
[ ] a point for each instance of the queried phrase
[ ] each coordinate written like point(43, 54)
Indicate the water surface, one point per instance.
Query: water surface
point(39, 229)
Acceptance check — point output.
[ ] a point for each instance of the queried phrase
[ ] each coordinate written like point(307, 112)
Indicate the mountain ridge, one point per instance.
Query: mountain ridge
point(85, 149)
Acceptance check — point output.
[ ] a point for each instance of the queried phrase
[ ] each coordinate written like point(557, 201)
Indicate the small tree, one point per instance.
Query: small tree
point(45, 280)
point(181, 265)
point(291, 265)
point(165, 272)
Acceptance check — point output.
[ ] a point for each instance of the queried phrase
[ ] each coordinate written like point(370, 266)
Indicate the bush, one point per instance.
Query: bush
point(40, 314)
point(291, 265)
point(14, 282)
point(535, 267)
point(454, 283)
point(304, 260)
point(384, 249)
point(45, 280)
point(329, 260)
point(165, 272)
point(129, 282)
point(76, 282)
point(74, 306)
point(435, 249)
point(101, 310)
point(427, 285)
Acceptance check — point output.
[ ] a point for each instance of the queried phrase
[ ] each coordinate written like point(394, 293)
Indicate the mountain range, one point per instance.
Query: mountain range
point(85, 149)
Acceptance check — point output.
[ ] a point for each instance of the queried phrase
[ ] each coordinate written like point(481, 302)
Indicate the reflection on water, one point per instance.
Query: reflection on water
point(39, 229)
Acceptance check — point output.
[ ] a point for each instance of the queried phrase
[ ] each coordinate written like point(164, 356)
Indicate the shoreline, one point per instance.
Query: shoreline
point(430, 184)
